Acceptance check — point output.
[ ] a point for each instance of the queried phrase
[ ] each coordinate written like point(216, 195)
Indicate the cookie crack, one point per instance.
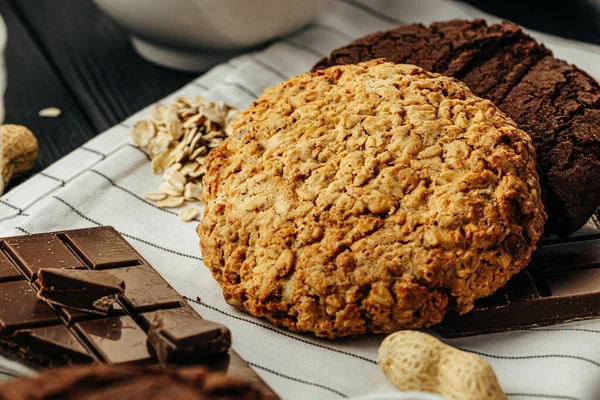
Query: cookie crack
point(482, 53)
point(508, 90)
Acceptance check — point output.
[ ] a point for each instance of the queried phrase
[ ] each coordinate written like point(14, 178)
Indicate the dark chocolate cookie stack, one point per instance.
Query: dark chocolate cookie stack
point(556, 103)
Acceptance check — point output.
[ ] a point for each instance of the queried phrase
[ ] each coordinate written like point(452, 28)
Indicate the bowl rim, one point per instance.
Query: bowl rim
point(3, 34)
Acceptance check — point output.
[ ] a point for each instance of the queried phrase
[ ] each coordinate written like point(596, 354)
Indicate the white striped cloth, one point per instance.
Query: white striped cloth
point(102, 183)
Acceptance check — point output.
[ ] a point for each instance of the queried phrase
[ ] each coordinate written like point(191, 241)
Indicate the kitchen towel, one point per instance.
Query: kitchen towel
point(103, 183)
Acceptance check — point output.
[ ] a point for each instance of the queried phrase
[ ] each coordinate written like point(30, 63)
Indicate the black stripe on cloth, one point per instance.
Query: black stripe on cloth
point(541, 396)
point(200, 85)
point(93, 151)
point(62, 182)
point(22, 230)
point(333, 30)
point(132, 194)
point(141, 151)
point(291, 378)
point(199, 302)
point(268, 67)
point(570, 356)
point(76, 211)
point(375, 13)
point(304, 47)
point(20, 210)
point(241, 87)
point(6, 203)
point(73, 177)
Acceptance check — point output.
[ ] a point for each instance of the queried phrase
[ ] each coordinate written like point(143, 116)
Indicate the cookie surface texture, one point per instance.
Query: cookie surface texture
point(368, 198)
point(556, 103)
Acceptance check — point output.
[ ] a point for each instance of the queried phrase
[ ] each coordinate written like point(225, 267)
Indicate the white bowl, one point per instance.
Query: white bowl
point(194, 35)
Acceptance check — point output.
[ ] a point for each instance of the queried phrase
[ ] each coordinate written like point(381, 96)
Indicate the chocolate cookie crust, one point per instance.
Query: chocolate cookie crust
point(370, 197)
point(557, 104)
point(128, 382)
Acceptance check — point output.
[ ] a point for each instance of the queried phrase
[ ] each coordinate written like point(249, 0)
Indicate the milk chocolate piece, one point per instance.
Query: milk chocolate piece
point(145, 289)
point(102, 248)
point(131, 382)
point(8, 272)
point(57, 343)
point(20, 308)
point(90, 291)
point(49, 335)
point(116, 340)
point(40, 251)
point(179, 338)
point(562, 284)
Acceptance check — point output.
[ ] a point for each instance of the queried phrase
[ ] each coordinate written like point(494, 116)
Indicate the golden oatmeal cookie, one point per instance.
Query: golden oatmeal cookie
point(368, 198)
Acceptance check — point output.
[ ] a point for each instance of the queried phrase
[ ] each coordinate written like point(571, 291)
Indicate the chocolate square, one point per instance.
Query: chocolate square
point(8, 272)
point(103, 248)
point(40, 251)
point(116, 340)
point(145, 289)
point(20, 308)
point(56, 342)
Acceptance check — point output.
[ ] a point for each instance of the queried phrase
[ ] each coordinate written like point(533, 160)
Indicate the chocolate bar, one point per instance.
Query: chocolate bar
point(43, 334)
point(561, 284)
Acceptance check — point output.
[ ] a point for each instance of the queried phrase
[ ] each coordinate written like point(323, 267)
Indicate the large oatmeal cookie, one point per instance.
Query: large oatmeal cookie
point(368, 198)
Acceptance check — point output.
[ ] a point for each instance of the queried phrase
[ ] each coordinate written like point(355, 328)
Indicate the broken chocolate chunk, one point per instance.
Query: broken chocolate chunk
point(55, 343)
point(179, 338)
point(88, 291)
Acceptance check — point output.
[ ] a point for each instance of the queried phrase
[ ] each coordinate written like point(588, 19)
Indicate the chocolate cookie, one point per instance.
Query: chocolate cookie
point(557, 104)
point(123, 382)
point(368, 198)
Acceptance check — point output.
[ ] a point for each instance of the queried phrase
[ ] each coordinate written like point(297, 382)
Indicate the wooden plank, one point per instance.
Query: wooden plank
point(32, 86)
point(96, 59)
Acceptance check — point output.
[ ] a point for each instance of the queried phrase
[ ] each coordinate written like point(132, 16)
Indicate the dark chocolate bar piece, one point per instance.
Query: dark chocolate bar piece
point(145, 289)
point(40, 251)
point(561, 284)
point(50, 335)
point(8, 272)
point(177, 338)
point(56, 342)
point(89, 291)
point(103, 248)
point(20, 308)
point(116, 340)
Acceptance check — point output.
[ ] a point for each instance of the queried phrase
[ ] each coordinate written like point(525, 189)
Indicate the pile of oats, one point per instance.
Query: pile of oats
point(178, 138)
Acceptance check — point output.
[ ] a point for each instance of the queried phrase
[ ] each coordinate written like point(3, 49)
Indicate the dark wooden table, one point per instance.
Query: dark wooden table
point(67, 54)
